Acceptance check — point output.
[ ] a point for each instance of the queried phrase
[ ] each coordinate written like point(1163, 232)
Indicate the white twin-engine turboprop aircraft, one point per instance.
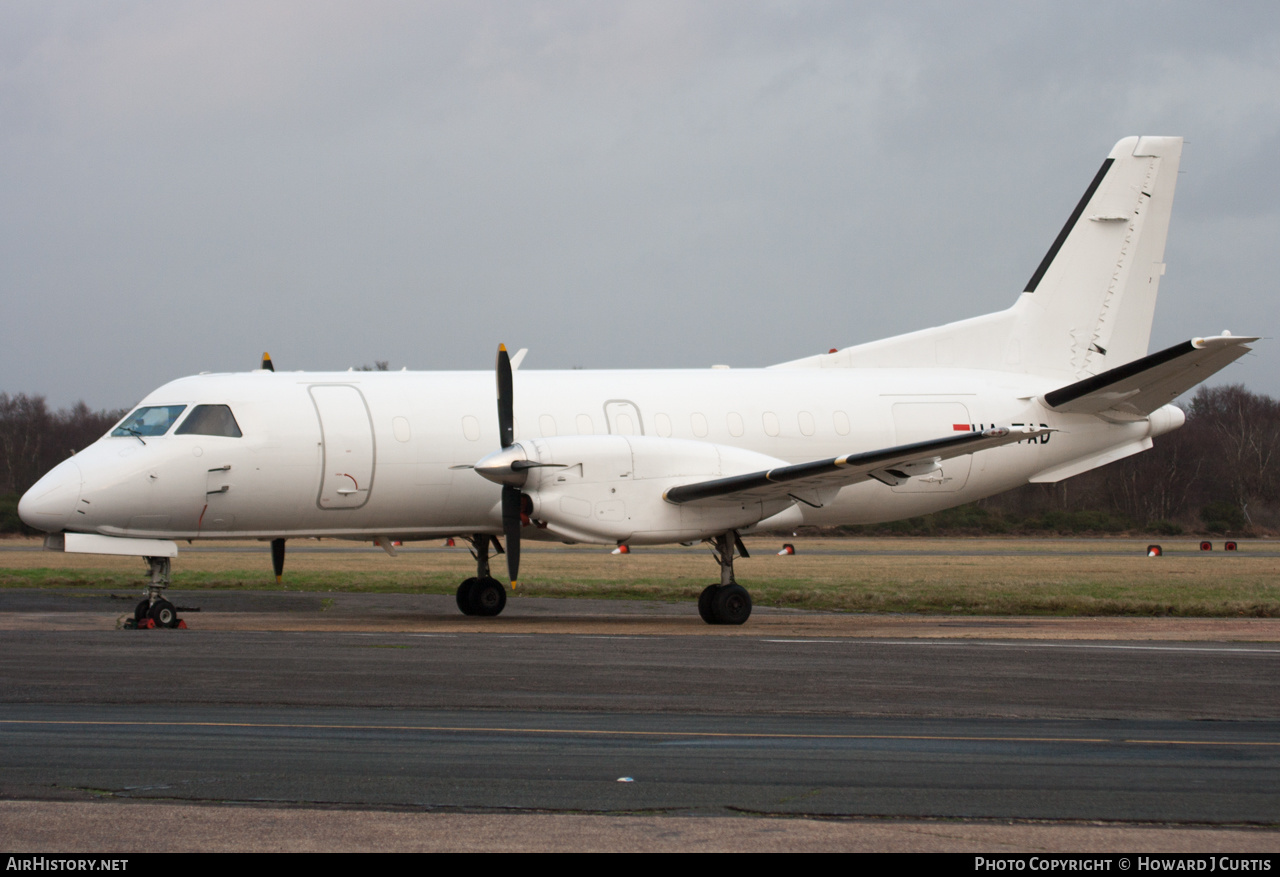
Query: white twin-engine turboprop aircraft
point(1058, 384)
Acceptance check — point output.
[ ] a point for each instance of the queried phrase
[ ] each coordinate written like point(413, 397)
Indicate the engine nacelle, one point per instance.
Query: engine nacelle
point(610, 488)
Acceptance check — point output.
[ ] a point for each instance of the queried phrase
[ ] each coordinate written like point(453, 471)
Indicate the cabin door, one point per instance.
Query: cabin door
point(347, 461)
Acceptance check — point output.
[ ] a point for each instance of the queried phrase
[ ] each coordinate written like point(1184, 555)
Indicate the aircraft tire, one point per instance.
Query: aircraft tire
point(163, 613)
point(141, 611)
point(704, 603)
point(488, 597)
point(465, 596)
point(731, 605)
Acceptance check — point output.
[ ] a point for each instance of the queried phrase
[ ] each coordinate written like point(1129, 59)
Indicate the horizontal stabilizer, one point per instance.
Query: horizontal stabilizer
point(891, 465)
point(1134, 390)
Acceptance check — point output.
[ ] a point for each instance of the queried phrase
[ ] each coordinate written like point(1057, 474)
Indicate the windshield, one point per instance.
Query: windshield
point(210, 420)
point(149, 421)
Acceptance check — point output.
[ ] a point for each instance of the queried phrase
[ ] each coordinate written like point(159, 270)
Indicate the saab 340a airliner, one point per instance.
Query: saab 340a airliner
point(1058, 384)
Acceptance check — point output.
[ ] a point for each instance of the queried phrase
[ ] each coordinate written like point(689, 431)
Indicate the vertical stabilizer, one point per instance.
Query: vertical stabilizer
point(1087, 308)
point(1089, 305)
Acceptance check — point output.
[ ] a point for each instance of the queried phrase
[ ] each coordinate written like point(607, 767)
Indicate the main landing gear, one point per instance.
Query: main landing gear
point(155, 610)
point(727, 602)
point(482, 595)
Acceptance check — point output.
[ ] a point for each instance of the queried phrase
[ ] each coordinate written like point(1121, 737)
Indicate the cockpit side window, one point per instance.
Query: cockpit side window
point(210, 420)
point(149, 421)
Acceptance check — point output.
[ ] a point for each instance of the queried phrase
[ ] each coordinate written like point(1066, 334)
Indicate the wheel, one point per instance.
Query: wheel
point(488, 598)
point(704, 603)
point(141, 612)
point(731, 605)
point(466, 590)
point(163, 613)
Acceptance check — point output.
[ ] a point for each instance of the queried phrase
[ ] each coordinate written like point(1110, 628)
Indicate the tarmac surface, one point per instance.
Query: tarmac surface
point(308, 721)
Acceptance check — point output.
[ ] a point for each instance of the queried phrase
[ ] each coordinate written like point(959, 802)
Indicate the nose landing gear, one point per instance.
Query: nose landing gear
point(155, 611)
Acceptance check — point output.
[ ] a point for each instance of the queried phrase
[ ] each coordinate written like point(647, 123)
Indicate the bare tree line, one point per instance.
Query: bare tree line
point(1219, 473)
point(34, 439)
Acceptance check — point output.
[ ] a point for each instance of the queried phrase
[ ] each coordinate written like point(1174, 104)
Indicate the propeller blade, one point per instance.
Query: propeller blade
point(511, 529)
point(266, 362)
point(277, 558)
point(506, 415)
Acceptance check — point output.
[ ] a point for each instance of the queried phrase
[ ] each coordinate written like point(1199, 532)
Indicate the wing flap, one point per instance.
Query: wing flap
point(824, 476)
point(1135, 389)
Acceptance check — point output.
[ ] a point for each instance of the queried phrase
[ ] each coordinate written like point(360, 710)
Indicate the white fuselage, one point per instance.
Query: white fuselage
point(376, 454)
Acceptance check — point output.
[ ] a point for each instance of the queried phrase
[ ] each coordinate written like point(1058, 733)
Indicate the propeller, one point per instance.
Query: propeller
point(510, 492)
point(509, 466)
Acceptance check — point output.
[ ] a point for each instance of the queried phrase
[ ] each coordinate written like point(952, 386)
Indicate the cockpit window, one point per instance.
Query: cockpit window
point(152, 420)
point(210, 420)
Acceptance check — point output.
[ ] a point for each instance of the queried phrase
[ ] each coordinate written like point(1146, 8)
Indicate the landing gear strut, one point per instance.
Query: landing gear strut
point(482, 595)
point(155, 607)
point(727, 602)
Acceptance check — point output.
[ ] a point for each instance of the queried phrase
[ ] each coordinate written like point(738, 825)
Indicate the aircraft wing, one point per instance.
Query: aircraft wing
point(1135, 389)
point(890, 465)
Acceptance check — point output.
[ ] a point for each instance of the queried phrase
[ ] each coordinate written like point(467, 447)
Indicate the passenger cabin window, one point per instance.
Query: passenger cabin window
point(210, 420)
point(149, 421)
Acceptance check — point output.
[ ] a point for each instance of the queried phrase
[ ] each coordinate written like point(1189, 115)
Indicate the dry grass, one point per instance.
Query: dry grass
point(944, 576)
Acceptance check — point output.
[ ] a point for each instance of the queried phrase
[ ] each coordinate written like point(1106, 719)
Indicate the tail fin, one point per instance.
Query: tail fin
point(1088, 307)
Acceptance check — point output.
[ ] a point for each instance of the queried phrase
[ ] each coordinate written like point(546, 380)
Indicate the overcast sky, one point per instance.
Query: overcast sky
point(612, 185)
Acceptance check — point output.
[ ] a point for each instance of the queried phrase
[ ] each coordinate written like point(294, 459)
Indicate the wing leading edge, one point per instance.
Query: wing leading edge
point(891, 465)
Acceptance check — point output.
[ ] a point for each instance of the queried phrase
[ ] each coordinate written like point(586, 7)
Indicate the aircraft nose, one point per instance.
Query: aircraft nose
point(51, 501)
